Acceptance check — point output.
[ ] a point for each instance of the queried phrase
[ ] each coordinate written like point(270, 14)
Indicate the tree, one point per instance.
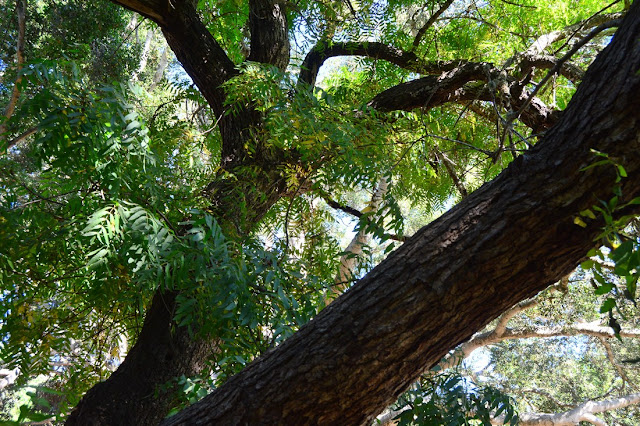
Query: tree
point(502, 243)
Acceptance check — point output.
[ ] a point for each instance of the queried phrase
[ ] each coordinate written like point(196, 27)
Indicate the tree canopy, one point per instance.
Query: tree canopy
point(183, 229)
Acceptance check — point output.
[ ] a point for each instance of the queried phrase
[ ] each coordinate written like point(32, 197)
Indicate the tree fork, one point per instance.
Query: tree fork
point(503, 243)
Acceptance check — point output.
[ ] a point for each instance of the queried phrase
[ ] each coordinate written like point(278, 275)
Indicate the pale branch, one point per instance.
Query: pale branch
point(15, 93)
point(616, 365)
point(587, 329)
point(544, 41)
point(8, 377)
point(528, 62)
point(432, 19)
point(162, 66)
point(584, 412)
point(556, 68)
point(501, 326)
point(501, 333)
point(350, 259)
point(144, 55)
point(504, 319)
point(449, 165)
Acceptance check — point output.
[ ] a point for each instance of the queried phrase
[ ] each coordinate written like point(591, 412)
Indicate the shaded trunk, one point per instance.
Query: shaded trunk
point(131, 395)
point(501, 244)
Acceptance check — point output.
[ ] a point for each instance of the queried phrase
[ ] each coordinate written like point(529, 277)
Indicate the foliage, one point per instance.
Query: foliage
point(451, 399)
point(104, 205)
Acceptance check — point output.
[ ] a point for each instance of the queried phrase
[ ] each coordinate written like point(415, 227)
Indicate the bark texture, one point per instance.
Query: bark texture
point(503, 243)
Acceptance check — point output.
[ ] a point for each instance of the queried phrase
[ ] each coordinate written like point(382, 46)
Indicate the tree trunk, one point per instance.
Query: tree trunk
point(131, 395)
point(505, 242)
point(164, 351)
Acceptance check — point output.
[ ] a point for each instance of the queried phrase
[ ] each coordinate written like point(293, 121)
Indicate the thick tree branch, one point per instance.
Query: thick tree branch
point(374, 50)
point(158, 11)
point(544, 41)
point(269, 37)
point(458, 273)
point(560, 62)
point(458, 85)
point(200, 54)
point(572, 72)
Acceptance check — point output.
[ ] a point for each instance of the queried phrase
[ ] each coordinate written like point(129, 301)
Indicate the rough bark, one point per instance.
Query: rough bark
point(503, 243)
point(158, 356)
point(467, 82)
point(269, 36)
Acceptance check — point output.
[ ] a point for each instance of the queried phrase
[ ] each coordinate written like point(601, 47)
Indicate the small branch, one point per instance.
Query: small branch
point(430, 22)
point(621, 372)
point(545, 395)
point(501, 327)
point(562, 60)
point(544, 41)
point(357, 213)
point(584, 412)
point(21, 137)
point(519, 5)
point(347, 209)
point(15, 94)
point(448, 164)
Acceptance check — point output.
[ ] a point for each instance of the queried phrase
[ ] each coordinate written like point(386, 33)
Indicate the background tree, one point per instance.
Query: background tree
point(213, 225)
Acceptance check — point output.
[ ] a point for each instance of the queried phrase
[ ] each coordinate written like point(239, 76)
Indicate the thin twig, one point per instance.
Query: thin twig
point(553, 71)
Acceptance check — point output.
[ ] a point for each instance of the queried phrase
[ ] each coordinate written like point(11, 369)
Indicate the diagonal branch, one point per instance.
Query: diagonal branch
point(197, 50)
point(572, 72)
point(448, 164)
point(455, 275)
point(458, 85)
point(617, 366)
point(430, 22)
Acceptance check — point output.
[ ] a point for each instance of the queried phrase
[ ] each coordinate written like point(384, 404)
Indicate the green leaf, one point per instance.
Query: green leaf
point(603, 289)
point(607, 305)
